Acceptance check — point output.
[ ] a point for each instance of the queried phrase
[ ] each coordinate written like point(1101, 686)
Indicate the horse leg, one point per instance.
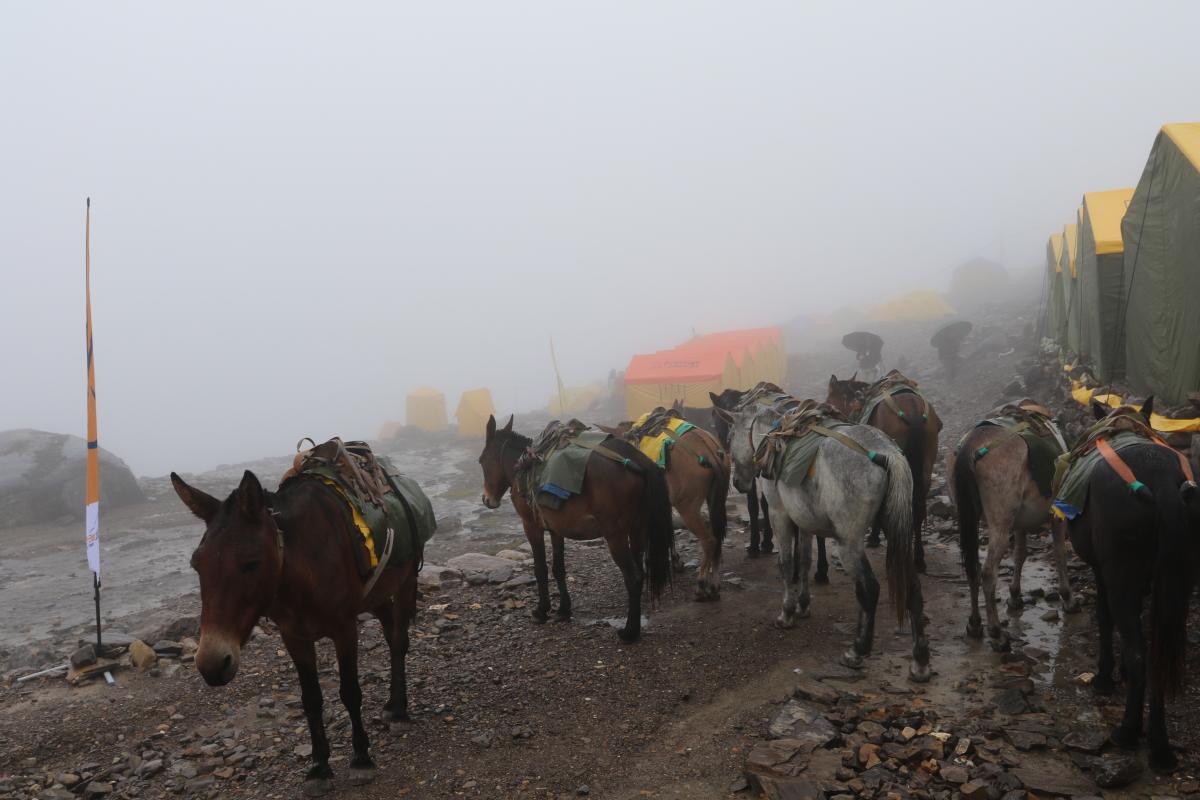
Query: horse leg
point(866, 591)
point(631, 570)
point(822, 574)
point(362, 768)
point(1162, 757)
point(394, 619)
point(708, 585)
point(788, 536)
point(752, 549)
point(767, 534)
point(919, 670)
point(803, 564)
point(537, 541)
point(319, 779)
point(873, 536)
point(1103, 683)
point(1015, 601)
point(997, 548)
point(1070, 603)
point(560, 578)
point(1133, 664)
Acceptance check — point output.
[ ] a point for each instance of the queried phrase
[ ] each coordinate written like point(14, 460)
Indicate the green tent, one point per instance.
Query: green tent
point(1054, 289)
point(1102, 282)
point(1068, 324)
point(1162, 257)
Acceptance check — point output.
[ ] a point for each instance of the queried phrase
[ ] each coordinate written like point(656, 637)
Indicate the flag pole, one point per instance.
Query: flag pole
point(92, 507)
point(562, 392)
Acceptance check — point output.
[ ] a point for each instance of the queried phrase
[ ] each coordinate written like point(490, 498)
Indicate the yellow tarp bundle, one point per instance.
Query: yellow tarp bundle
point(916, 306)
point(359, 522)
point(425, 409)
point(1085, 396)
point(474, 408)
point(655, 446)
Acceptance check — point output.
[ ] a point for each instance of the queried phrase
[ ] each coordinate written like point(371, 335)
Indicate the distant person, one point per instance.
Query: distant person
point(948, 341)
point(868, 348)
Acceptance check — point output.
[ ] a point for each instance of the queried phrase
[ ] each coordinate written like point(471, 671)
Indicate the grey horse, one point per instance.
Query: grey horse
point(844, 492)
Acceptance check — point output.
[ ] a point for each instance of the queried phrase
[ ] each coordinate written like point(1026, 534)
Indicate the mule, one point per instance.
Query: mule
point(843, 492)
point(1141, 544)
point(628, 505)
point(1000, 488)
point(761, 537)
point(916, 433)
point(289, 556)
point(691, 484)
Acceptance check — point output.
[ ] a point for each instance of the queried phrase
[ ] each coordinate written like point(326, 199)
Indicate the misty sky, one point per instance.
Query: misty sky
point(300, 212)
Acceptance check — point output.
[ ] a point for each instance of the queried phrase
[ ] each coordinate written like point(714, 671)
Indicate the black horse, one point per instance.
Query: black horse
point(1141, 543)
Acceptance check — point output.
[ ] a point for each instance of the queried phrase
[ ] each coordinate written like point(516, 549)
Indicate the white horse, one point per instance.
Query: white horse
point(843, 493)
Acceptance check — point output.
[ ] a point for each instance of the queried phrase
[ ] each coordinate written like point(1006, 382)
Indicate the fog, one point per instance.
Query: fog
point(300, 212)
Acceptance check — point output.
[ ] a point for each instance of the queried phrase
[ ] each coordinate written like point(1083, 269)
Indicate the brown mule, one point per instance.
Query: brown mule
point(916, 433)
point(627, 505)
point(1000, 488)
point(289, 556)
point(697, 473)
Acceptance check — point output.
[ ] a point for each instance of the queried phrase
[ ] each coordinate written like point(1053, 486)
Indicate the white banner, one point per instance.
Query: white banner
point(92, 528)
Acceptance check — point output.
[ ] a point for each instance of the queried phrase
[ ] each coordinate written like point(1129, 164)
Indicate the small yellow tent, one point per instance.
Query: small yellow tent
point(578, 400)
point(474, 408)
point(425, 409)
point(916, 306)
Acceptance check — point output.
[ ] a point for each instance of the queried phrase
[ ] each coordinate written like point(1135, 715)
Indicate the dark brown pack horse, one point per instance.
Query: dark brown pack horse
point(1141, 542)
point(289, 556)
point(916, 433)
point(698, 473)
point(627, 505)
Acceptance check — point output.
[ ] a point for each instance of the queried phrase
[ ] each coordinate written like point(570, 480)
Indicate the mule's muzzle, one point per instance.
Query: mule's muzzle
point(490, 501)
point(217, 660)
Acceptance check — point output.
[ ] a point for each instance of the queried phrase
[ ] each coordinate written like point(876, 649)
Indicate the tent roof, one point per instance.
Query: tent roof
point(478, 401)
point(1056, 246)
point(1104, 211)
point(703, 358)
point(1186, 136)
point(1070, 238)
point(424, 391)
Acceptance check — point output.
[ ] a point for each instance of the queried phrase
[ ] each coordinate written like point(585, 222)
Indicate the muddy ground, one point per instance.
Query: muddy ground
point(506, 708)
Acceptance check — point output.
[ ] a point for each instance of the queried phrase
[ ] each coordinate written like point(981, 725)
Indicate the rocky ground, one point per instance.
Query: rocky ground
point(715, 701)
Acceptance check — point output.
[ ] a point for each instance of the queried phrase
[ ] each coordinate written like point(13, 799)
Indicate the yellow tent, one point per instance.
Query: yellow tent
point(916, 306)
point(425, 408)
point(578, 400)
point(1101, 284)
point(474, 408)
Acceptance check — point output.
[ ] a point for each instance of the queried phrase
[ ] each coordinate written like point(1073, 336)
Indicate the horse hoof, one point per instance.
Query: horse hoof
point(851, 659)
point(1072, 606)
point(1000, 644)
point(872, 542)
point(627, 636)
point(362, 771)
point(785, 620)
point(804, 613)
point(919, 673)
point(316, 787)
point(767, 549)
point(821, 578)
point(752, 552)
point(1015, 604)
point(540, 616)
point(975, 630)
point(562, 616)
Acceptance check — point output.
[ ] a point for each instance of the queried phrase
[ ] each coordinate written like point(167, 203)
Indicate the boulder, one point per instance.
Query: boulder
point(433, 576)
point(514, 555)
point(43, 475)
point(478, 562)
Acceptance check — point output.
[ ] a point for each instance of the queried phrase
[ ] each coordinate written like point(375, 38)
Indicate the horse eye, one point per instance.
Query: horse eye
point(249, 566)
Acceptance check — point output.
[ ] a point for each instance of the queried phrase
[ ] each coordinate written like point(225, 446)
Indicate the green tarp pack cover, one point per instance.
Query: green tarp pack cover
point(407, 543)
point(1161, 231)
point(1044, 451)
point(792, 467)
point(561, 476)
point(1073, 475)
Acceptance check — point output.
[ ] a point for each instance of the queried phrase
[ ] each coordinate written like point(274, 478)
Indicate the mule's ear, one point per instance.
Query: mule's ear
point(1099, 410)
point(833, 381)
point(508, 425)
point(491, 426)
point(715, 399)
point(203, 505)
point(609, 430)
point(251, 498)
point(724, 415)
point(1148, 407)
point(853, 377)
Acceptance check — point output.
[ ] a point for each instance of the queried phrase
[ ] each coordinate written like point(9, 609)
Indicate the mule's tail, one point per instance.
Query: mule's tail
point(915, 454)
point(966, 497)
point(660, 531)
point(897, 522)
point(718, 492)
point(1172, 588)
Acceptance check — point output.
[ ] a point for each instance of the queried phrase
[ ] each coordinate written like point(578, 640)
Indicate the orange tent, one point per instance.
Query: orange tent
point(726, 360)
